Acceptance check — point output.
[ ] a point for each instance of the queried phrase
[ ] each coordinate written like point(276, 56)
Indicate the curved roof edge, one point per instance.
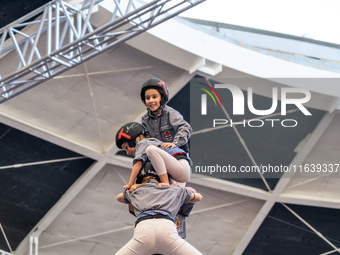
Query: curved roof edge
point(195, 49)
point(213, 53)
point(219, 51)
point(261, 31)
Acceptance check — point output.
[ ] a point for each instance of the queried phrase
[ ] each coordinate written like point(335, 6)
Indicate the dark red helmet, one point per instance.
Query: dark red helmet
point(157, 84)
point(128, 133)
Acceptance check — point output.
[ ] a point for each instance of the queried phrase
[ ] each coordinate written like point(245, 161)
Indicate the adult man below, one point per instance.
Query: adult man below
point(156, 208)
point(180, 219)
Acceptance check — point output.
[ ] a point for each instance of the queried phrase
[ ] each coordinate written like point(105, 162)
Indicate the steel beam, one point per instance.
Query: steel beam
point(5, 253)
point(71, 39)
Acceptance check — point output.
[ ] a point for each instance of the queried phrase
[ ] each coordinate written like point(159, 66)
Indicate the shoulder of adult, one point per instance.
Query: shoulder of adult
point(181, 189)
point(150, 183)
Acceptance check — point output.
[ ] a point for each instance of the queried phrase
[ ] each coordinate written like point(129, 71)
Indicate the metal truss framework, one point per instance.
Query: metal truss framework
point(5, 253)
point(71, 39)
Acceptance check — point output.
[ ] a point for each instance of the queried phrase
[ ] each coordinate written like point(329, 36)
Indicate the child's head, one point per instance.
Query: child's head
point(128, 135)
point(154, 94)
point(147, 170)
point(152, 99)
point(129, 150)
point(148, 178)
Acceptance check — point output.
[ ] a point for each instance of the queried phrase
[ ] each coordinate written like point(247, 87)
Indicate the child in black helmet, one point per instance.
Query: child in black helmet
point(172, 160)
point(166, 124)
point(161, 121)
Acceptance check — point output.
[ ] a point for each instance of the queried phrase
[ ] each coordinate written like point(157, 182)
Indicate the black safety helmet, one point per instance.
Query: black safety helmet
point(157, 84)
point(128, 133)
point(146, 170)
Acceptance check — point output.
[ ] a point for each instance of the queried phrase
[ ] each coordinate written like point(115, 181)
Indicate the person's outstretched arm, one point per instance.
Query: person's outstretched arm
point(195, 196)
point(120, 198)
point(135, 170)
